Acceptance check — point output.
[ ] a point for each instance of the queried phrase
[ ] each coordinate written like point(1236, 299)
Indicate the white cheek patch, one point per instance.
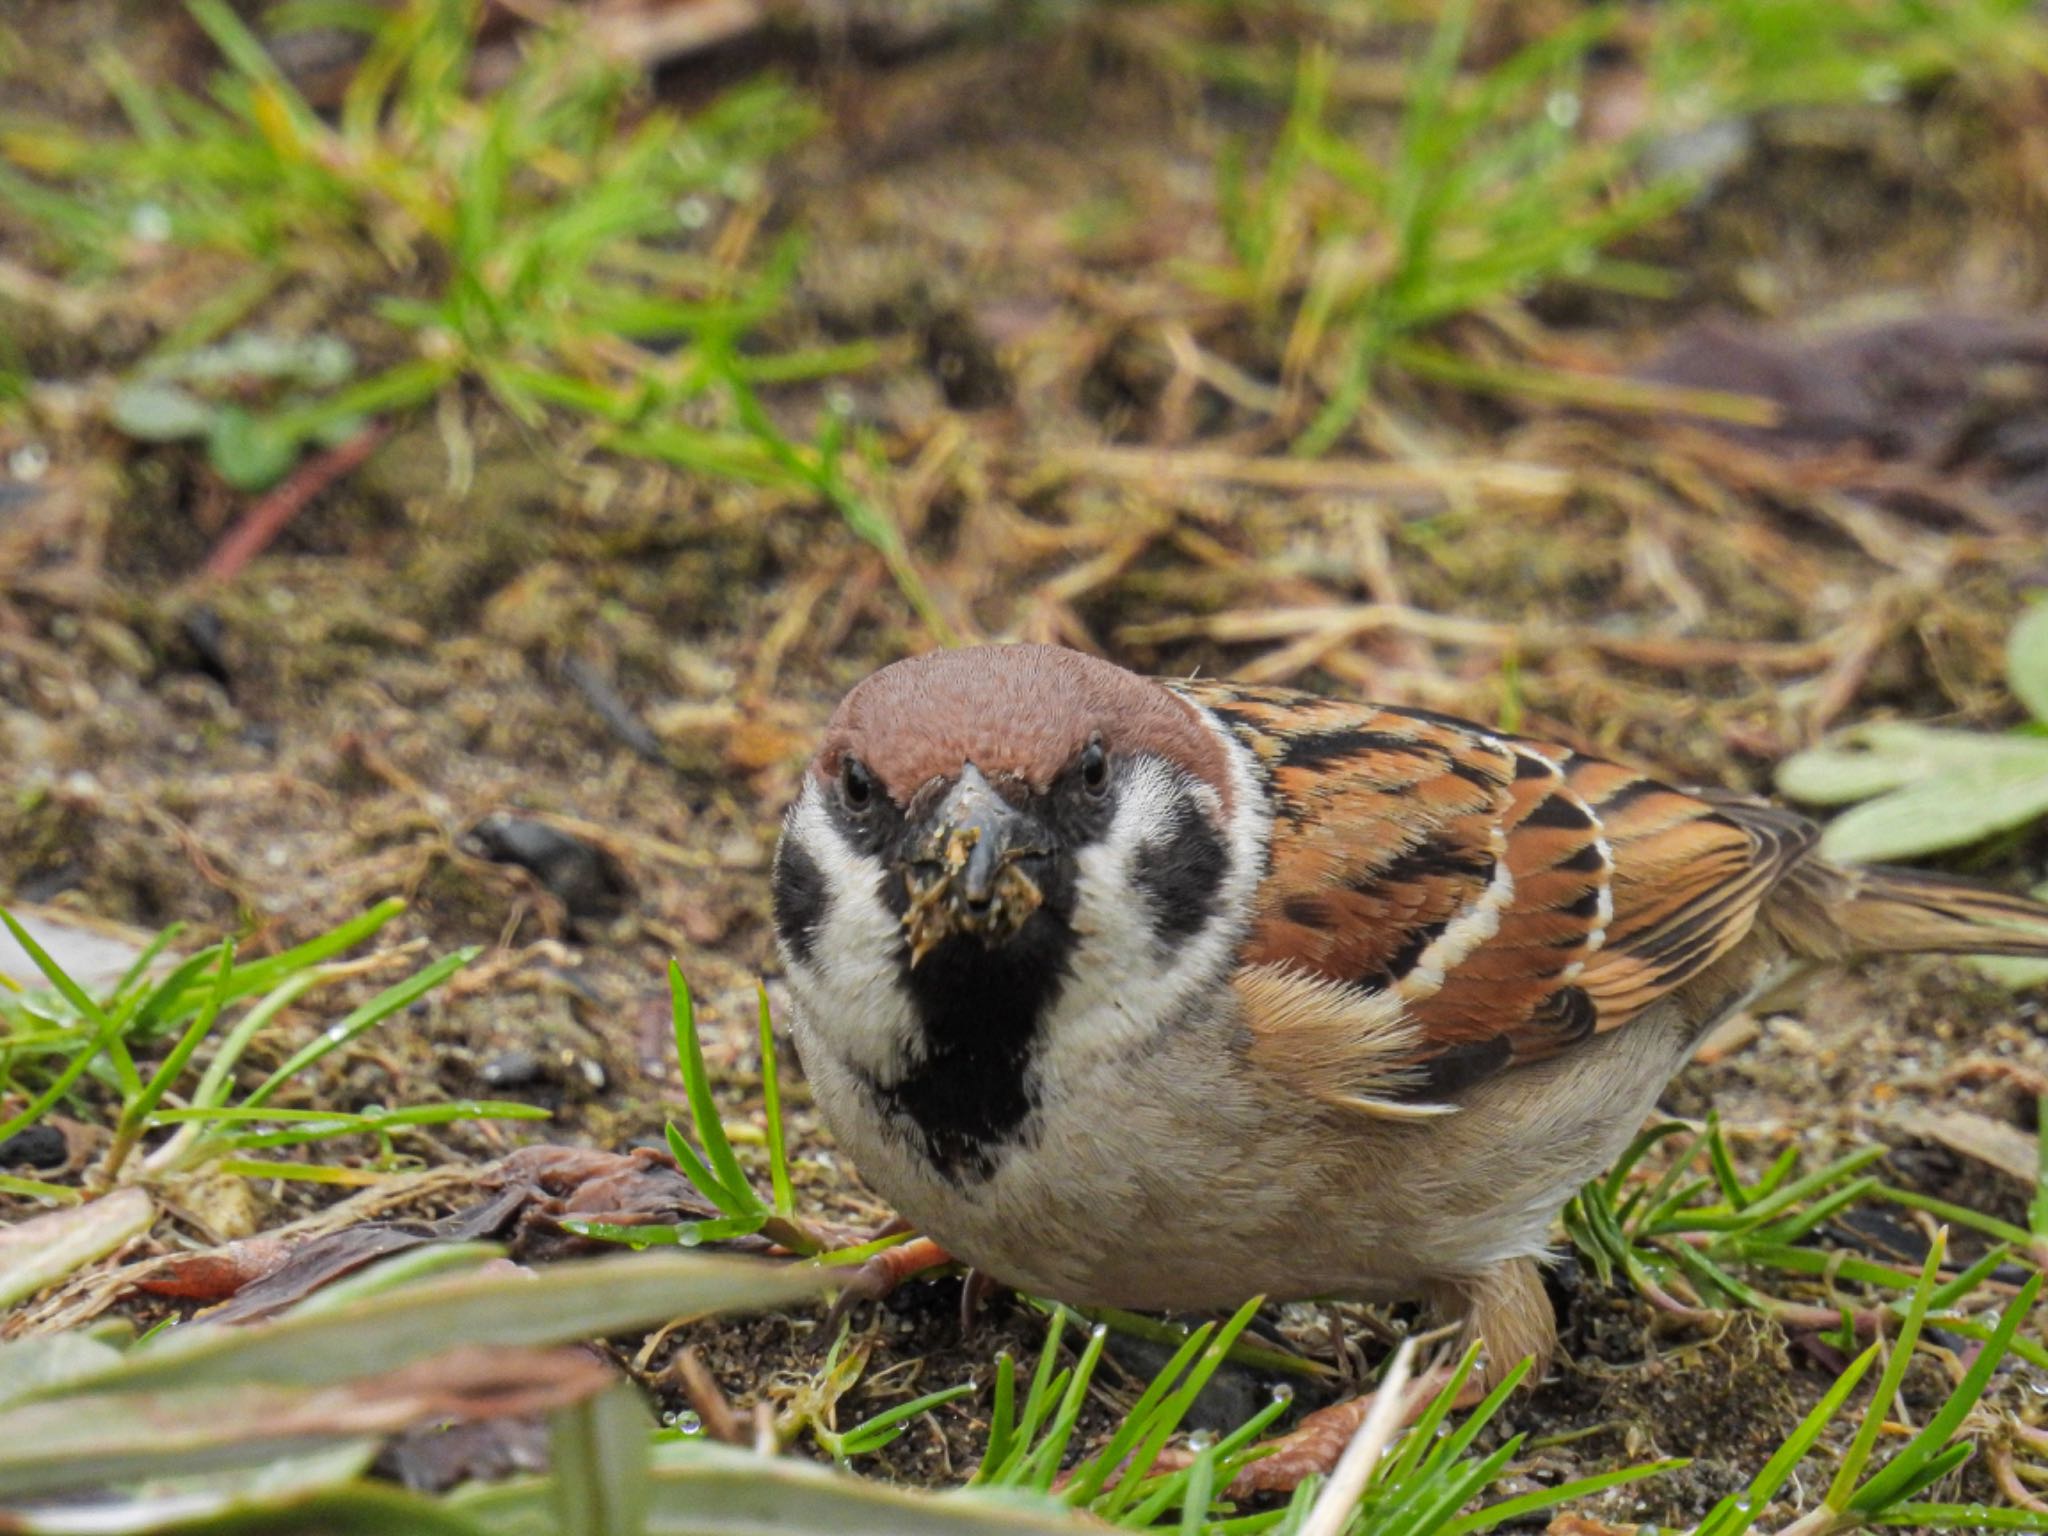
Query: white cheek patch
point(1123, 984)
point(849, 992)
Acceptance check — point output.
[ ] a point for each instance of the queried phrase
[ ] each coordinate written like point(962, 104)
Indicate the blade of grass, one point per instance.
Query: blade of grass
point(357, 1021)
point(784, 1203)
point(718, 1152)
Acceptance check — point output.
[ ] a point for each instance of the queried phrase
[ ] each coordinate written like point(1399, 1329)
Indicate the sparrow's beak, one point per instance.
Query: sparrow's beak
point(964, 872)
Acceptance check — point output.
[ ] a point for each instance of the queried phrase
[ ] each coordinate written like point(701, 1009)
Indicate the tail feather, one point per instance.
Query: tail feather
point(1877, 909)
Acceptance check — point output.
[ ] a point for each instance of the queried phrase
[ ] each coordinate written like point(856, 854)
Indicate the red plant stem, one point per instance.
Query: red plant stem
point(267, 516)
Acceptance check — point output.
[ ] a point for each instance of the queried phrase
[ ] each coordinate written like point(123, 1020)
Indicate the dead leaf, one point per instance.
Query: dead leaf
point(534, 1188)
point(1978, 1137)
point(216, 1273)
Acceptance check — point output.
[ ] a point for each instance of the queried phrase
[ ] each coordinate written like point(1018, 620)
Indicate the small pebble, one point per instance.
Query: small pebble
point(40, 1146)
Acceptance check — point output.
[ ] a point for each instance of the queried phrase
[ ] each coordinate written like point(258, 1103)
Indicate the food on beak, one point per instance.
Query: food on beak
point(964, 874)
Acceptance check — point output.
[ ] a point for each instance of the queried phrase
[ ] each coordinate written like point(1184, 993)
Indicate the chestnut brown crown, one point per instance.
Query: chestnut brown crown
point(1017, 712)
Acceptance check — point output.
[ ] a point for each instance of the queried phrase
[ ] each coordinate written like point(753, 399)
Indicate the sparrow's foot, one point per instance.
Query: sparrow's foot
point(879, 1277)
point(1312, 1447)
point(1505, 1306)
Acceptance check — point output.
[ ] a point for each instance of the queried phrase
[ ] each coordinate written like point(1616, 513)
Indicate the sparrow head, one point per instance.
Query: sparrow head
point(984, 830)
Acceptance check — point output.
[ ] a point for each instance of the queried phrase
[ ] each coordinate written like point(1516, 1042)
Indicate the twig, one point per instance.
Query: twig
point(1327, 625)
point(611, 707)
point(1500, 478)
point(1341, 620)
point(706, 1398)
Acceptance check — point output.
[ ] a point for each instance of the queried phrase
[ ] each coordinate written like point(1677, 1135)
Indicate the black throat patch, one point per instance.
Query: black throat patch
point(969, 1097)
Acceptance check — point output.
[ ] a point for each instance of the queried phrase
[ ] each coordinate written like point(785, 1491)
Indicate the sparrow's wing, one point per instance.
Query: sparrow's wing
point(1515, 898)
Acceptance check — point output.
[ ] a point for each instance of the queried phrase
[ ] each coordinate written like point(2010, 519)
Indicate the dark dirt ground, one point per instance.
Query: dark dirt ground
point(415, 656)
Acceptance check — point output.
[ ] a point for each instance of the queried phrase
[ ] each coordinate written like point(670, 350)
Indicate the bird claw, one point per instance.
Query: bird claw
point(1312, 1447)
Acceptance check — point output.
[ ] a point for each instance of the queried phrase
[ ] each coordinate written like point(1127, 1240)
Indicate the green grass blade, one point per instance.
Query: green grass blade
point(1523, 1506)
point(1897, 1480)
point(704, 1117)
point(1002, 1419)
point(708, 1185)
point(784, 1201)
point(379, 1008)
point(1858, 1455)
point(106, 1026)
point(1961, 1517)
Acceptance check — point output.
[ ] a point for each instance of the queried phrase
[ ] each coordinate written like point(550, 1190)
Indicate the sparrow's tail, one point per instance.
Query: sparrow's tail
point(1876, 909)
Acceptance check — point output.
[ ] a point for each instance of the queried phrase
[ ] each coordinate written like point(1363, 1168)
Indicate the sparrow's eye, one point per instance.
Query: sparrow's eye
point(856, 783)
point(1094, 768)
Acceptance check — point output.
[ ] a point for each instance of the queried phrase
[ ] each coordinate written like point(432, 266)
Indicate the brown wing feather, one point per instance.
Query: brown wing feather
point(1386, 829)
point(1515, 897)
point(1691, 871)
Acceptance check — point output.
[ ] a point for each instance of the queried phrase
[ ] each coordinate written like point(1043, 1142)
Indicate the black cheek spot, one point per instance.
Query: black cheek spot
point(1181, 876)
point(800, 897)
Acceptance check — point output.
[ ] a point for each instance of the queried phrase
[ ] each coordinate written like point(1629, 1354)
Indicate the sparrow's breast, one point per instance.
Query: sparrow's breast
point(1182, 1181)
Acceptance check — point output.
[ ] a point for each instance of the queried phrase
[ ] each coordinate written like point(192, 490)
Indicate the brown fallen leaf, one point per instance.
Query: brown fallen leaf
point(1931, 409)
point(216, 1273)
point(533, 1188)
point(1978, 1137)
point(321, 1260)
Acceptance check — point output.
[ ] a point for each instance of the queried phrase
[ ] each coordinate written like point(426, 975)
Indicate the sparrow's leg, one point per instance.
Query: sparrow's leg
point(1505, 1306)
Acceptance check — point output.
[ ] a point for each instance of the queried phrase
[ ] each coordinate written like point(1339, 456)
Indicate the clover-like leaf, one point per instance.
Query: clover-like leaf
point(1950, 809)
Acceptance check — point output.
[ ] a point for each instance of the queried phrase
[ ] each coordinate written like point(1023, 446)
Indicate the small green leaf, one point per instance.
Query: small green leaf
point(248, 450)
point(1952, 810)
point(598, 1450)
point(1868, 760)
point(155, 411)
point(49, 1358)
